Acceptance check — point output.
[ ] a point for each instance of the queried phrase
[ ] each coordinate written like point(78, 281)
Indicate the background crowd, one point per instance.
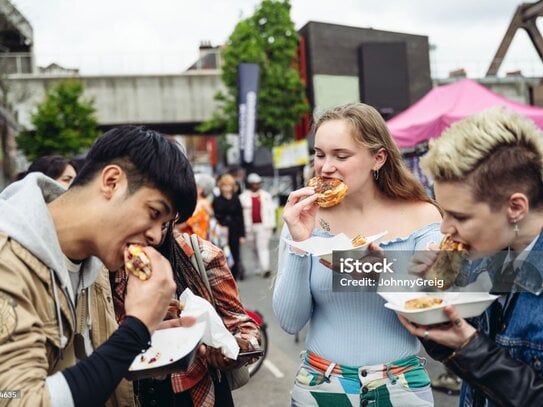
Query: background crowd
point(65, 228)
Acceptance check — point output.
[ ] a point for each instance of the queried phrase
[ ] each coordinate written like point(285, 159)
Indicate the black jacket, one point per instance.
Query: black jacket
point(491, 371)
point(230, 213)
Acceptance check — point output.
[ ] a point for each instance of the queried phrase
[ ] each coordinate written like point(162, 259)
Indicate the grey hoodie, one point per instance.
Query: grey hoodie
point(24, 217)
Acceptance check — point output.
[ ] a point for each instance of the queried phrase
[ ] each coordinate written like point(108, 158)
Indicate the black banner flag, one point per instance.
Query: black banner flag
point(248, 76)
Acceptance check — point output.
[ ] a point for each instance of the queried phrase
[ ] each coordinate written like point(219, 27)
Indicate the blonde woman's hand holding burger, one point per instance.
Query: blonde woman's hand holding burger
point(299, 213)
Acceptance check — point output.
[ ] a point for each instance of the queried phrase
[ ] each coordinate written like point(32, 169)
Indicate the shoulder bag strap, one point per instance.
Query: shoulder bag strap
point(192, 258)
point(197, 258)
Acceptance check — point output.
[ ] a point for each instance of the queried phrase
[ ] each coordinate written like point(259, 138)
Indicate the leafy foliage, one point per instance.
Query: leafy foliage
point(64, 123)
point(269, 39)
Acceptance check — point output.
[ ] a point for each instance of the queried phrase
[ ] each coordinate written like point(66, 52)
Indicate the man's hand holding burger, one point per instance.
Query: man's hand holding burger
point(148, 300)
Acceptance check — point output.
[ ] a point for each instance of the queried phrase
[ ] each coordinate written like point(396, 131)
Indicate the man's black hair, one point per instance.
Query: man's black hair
point(149, 159)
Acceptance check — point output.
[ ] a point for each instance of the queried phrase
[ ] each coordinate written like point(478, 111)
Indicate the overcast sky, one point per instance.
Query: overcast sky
point(162, 36)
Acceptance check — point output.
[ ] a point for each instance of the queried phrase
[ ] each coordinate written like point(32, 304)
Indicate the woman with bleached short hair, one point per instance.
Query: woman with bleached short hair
point(488, 179)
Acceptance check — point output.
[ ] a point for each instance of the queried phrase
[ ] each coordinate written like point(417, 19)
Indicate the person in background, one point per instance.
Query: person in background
point(199, 221)
point(61, 169)
point(228, 211)
point(488, 178)
point(201, 384)
point(54, 243)
point(357, 351)
point(238, 173)
point(259, 218)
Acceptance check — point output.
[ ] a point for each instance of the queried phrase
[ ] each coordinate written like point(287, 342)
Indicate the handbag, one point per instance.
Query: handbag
point(218, 235)
point(236, 377)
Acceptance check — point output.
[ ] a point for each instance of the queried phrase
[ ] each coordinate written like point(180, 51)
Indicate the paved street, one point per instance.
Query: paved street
point(272, 384)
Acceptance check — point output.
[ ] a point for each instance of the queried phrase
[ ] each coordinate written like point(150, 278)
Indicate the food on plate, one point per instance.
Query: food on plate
point(358, 240)
point(422, 303)
point(137, 262)
point(448, 262)
point(330, 191)
point(152, 358)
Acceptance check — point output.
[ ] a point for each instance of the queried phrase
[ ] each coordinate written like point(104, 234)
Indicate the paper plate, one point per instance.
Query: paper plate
point(172, 350)
point(323, 247)
point(467, 304)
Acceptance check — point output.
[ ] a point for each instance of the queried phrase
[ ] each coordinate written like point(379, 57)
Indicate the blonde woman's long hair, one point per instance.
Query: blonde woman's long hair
point(369, 130)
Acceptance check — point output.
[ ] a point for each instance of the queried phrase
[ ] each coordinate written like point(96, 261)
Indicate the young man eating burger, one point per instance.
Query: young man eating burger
point(52, 246)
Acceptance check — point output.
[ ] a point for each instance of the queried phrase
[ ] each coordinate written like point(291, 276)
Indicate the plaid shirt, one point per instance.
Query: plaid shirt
point(197, 378)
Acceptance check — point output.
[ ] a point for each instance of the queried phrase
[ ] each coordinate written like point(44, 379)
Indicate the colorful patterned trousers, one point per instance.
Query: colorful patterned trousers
point(321, 383)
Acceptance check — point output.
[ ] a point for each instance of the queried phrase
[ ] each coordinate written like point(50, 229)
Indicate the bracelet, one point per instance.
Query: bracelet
point(468, 340)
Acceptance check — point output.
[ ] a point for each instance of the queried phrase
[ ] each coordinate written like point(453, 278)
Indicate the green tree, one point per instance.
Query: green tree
point(269, 39)
point(64, 123)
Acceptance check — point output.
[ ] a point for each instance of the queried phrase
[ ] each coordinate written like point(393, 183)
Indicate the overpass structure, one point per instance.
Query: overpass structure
point(173, 103)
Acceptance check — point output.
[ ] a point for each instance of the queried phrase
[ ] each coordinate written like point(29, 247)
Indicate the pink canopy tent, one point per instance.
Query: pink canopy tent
point(444, 105)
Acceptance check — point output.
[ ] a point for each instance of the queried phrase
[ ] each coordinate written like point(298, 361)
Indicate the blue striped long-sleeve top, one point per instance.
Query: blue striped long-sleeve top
point(350, 328)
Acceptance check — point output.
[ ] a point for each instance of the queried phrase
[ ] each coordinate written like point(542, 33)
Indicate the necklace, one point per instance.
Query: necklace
point(324, 225)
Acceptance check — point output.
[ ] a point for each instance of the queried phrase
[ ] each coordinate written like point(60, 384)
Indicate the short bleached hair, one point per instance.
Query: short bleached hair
point(496, 152)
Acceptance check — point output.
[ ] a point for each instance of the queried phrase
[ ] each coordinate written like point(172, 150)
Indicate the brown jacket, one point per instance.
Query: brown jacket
point(30, 337)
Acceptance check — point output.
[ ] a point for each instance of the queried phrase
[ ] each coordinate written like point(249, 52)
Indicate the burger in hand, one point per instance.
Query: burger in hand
point(137, 262)
point(174, 309)
point(330, 191)
point(448, 262)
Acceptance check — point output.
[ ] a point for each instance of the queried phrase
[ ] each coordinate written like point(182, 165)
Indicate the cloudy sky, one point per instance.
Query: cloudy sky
point(162, 36)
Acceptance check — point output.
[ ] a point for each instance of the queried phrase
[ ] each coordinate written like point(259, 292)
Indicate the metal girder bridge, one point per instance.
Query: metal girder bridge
point(525, 17)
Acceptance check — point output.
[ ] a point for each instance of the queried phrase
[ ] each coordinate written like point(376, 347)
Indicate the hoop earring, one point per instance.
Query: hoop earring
point(515, 228)
point(376, 175)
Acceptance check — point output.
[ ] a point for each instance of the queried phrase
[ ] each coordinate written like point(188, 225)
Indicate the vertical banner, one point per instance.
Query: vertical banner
point(248, 75)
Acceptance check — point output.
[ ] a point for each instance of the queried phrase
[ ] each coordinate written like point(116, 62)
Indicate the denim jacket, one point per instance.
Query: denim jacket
point(521, 331)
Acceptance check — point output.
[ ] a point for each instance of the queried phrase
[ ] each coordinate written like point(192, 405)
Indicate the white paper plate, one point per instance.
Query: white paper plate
point(467, 304)
point(323, 247)
point(171, 345)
